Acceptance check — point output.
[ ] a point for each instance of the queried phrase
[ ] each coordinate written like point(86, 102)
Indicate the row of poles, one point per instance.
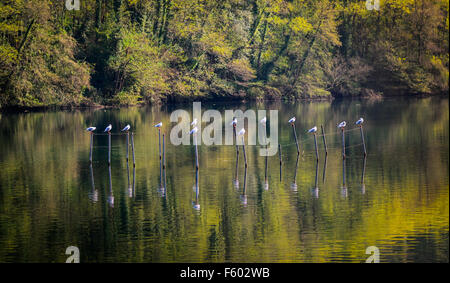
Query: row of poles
point(108, 131)
point(162, 152)
point(313, 130)
point(241, 133)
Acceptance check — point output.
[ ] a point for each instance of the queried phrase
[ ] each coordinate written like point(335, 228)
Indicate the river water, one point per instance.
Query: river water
point(397, 199)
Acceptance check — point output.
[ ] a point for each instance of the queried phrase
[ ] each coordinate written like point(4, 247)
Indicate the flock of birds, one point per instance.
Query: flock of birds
point(233, 123)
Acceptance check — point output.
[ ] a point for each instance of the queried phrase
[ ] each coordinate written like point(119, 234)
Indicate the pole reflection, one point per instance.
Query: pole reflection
point(93, 194)
point(294, 182)
point(111, 194)
point(196, 204)
point(244, 191)
point(315, 190)
point(363, 186)
point(344, 191)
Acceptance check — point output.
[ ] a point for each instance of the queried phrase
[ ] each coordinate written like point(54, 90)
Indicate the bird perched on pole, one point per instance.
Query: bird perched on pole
point(159, 125)
point(313, 130)
point(234, 122)
point(91, 129)
point(109, 128)
point(193, 131)
point(241, 134)
point(263, 121)
point(292, 120)
point(360, 122)
point(342, 125)
point(126, 129)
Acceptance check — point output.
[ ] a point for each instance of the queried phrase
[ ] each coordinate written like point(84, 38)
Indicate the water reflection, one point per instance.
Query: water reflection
point(294, 181)
point(93, 194)
point(129, 188)
point(344, 191)
point(266, 173)
point(315, 190)
point(236, 171)
point(363, 185)
point(111, 194)
point(45, 180)
point(196, 204)
point(244, 191)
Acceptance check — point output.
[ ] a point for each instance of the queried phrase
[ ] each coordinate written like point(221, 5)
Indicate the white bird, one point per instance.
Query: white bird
point(234, 122)
point(159, 125)
point(360, 121)
point(292, 120)
point(263, 121)
point(194, 123)
point(91, 129)
point(109, 128)
point(312, 130)
point(241, 132)
point(126, 129)
point(193, 131)
point(342, 124)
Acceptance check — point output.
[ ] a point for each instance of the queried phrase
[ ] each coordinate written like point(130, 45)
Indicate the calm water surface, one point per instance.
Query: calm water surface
point(397, 200)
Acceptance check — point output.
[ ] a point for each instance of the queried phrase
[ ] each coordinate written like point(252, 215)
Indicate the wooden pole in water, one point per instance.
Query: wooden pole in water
point(159, 136)
point(363, 186)
point(132, 149)
point(343, 173)
point(266, 167)
point(164, 159)
point(316, 183)
point(128, 143)
point(315, 144)
point(92, 145)
point(296, 170)
point(343, 143)
point(134, 181)
point(324, 169)
point(109, 148)
point(196, 152)
point(236, 179)
point(243, 148)
point(363, 170)
point(363, 142)
point(295, 136)
point(163, 152)
point(324, 140)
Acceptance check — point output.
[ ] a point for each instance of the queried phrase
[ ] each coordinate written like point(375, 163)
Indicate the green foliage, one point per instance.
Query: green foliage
point(148, 51)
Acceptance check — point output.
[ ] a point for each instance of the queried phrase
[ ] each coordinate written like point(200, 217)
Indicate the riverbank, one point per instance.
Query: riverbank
point(220, 100)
